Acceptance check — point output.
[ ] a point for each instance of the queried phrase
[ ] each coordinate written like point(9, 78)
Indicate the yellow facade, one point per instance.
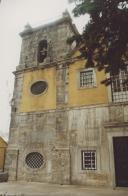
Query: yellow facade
point(85, 96)
point(44, 101)
point(76, 96)
point(3, 146)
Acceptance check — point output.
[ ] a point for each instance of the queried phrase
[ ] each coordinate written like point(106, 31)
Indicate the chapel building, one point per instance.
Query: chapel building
point(66, 127)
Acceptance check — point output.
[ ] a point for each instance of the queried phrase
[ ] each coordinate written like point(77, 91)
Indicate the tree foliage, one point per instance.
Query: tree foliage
point(105, 38)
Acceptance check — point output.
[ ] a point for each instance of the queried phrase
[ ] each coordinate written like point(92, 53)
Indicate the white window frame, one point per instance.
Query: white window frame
point(119, 90)
point(94, 78)
point(83, 158)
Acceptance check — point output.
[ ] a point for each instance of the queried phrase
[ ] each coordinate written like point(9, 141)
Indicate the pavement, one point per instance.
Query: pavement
point(44, 189)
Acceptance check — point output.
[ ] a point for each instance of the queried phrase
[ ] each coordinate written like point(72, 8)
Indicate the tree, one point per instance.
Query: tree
point(104, 42)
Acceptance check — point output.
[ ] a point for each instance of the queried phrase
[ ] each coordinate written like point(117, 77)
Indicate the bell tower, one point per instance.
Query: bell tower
point(38, 147)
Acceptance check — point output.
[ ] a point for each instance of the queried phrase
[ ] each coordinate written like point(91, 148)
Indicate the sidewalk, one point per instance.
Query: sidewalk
point(43, 189)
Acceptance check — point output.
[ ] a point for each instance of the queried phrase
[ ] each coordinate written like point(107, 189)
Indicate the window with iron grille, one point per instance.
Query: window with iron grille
point(88, 159)
point(87, 78)
point(120, 86)
point(34, 160)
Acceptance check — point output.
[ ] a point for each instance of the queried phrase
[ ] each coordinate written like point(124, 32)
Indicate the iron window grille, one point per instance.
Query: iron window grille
point(119, 86)
point(34, 160)
point(88, 159)
point(87, 78)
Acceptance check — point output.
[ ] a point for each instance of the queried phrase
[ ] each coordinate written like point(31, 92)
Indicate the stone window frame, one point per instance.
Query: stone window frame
point(79, 159)
point(94, 78)
point(45, 50)
point(29, 162)
point(44, 92)
point(83, 159)
point(29, 169)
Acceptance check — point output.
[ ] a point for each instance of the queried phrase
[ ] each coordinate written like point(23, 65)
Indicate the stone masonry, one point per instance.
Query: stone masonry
point(60, 134)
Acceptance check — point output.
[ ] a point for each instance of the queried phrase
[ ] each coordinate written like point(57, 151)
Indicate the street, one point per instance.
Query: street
point(43, 189)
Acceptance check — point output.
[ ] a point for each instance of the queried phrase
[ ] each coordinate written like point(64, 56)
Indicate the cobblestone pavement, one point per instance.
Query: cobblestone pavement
point(43, 189)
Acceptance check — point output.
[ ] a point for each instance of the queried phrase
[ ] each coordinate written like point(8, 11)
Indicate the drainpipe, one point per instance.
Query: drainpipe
point(70, 165)
point(4, 158)
point(17, 164)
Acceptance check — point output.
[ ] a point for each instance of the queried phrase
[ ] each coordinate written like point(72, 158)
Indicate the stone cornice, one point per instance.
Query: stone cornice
point(115, 124)
point(51, 24)
point(64, 63)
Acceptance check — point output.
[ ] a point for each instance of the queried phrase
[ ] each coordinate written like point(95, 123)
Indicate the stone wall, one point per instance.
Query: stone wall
point(42, 133)
point(60, 135)
point(56, 35)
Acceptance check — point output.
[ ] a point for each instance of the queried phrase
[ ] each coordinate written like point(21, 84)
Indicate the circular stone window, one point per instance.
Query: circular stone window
point(38, 87)
point(34, 160)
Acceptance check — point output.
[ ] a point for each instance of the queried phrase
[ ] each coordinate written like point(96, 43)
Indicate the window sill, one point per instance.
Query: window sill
point(87, 87)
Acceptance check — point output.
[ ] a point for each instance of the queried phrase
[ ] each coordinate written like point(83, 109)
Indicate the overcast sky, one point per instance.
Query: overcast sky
point(14, 15)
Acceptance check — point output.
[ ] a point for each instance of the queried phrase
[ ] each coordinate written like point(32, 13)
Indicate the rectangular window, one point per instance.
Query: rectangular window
point(120, 86)
point(87, 78)
point(88, 159)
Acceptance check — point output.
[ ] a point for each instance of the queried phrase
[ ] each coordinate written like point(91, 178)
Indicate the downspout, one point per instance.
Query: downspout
point(4, 158)
point(70, 166)
point(17, 164)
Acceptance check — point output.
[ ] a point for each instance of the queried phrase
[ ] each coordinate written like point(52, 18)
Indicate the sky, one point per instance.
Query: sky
point(14, 15)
